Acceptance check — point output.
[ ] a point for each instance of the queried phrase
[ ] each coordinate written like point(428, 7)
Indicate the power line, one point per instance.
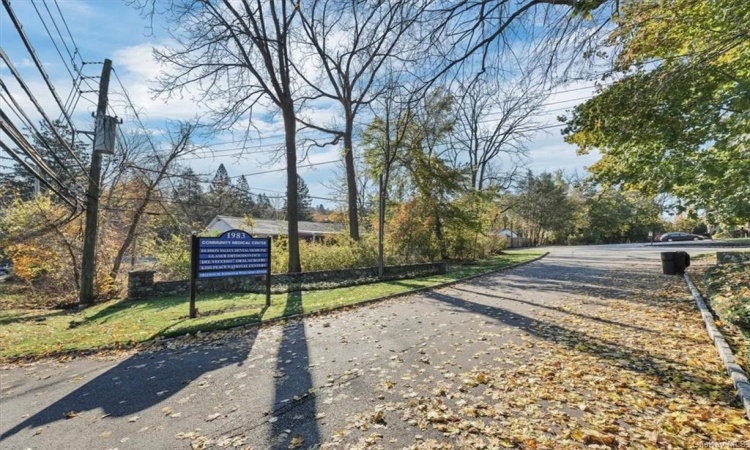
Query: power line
point(33, 99)
point(31, 169)
point(18, 111)
point(143, 128)
point(240, 151)
point(54, 43)
point(273, 136)
point(34, 57)
point(72, 39)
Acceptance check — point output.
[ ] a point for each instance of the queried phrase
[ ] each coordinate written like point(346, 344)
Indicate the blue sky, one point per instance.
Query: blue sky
point(110, 29)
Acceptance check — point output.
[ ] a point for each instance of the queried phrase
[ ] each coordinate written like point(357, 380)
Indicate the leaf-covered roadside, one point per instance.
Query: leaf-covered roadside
point(727, 290)
point(628, 370)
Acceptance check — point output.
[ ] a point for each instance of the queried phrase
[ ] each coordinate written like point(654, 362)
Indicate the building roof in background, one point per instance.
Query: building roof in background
point(507, 233)
point(269, 227)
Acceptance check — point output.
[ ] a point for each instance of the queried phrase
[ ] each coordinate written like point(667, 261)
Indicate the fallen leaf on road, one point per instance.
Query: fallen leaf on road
point(296, 442)
point(626, 370)
point(71, 414)
point(188, 435)
point(213, 417)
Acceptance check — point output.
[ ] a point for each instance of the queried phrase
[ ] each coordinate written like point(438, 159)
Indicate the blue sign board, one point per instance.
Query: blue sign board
point(235, 253)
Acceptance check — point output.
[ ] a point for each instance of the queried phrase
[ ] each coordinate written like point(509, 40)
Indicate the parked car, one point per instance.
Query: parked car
point(679, 236)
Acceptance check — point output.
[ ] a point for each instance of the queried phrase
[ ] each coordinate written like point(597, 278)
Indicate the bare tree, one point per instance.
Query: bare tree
point(351, 42)
point(338, 192)
point(151, 180)
point(237, 56)
point(473, 31)
point(493, 121)
point(131, 150)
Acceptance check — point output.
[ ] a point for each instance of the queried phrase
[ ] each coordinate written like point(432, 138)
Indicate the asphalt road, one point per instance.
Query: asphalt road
point(299, 382)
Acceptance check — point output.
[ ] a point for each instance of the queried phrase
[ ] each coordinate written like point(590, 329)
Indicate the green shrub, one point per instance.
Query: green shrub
point(173, 257)
point(728, 234)
point(339, 252)
point(342, 252)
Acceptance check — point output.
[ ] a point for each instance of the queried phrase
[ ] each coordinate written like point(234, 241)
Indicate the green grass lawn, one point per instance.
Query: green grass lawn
point(26, 333)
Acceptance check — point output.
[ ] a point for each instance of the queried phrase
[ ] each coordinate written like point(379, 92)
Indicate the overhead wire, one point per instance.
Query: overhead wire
point(54, 42)
point(143, 128)
point(39, 108)
point(29, 124)
point(506, 98)
point(65, 23)
point(73, 203)
point(35, 58)
point(241, 151)
point(16, 136)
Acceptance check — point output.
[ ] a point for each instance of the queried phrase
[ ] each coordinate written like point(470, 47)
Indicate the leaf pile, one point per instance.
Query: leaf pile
point(631, 370)
point(728, 295)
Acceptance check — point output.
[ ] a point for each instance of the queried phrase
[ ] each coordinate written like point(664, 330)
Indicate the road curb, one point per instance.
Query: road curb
point(738, 376)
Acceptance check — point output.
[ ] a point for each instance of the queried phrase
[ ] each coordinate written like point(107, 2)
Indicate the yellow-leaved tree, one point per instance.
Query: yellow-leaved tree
point(43, 242)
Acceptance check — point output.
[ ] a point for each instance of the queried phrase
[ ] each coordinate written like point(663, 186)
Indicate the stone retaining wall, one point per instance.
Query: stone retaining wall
point(141, 284)
point(732, 257)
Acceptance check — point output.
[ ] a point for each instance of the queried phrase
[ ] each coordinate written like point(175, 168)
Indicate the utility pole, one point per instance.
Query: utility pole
point(381, 226)
point(88, 263)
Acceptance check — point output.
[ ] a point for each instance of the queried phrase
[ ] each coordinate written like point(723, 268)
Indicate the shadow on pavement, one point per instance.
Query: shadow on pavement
point(591, 282)
point(294, 400)
point(560, 310)
point(143, 380)
point(697, 381)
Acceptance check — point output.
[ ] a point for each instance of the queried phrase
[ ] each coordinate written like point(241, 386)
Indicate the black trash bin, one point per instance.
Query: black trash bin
point(674, 263)
point(681, 262)
point(667, 263)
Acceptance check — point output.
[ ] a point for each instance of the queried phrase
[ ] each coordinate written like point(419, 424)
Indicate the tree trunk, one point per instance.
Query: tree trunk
point(292, 206)
point(130, 237)
point(439, 236)
point(141, 208)
point(351, 178)
point(72, 254)
point(381, 222)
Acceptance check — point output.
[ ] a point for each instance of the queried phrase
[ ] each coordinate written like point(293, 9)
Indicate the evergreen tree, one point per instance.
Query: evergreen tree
point(221, 182)
point(304, 201)
point(187, 188)
point(189, 195)
point(264, 209)
point(222, 197)
point(245, 201)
